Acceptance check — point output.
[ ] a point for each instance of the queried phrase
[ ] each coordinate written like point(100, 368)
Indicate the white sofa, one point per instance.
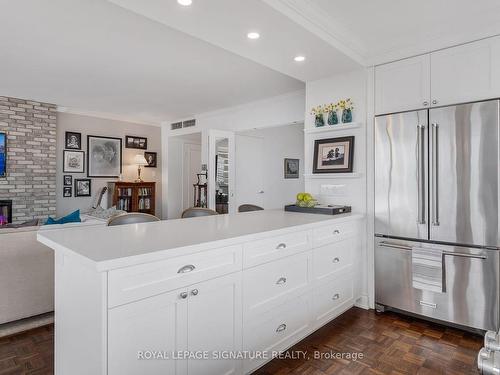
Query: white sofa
point(27, 271)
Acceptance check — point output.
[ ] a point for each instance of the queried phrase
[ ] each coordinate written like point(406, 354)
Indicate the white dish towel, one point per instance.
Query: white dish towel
point(427, 269)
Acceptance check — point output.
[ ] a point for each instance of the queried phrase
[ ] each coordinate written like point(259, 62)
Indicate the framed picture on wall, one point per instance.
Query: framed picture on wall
point(291, 168)
point(104, 156)
point(73, 161)
point(68, 180)
point(151, 158)
point(140, 143)
point(333, 155)
point(73, 140)
point(3, 154)
point(83, 187)
point(67, 192)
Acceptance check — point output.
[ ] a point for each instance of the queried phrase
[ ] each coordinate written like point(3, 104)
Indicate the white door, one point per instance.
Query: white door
point(249, 167)
point(214, 325)
point(402, 85)
point(138, 329)
point(466, 73)
point(191, 166)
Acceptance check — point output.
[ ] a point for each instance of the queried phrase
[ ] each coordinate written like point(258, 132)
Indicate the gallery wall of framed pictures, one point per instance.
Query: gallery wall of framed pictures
point(103, 158)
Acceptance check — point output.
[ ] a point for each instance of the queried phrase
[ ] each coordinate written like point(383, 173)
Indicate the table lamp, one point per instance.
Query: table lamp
point(140, 160)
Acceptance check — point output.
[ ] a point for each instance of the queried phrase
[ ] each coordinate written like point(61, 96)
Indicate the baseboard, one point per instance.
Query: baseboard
point(18, 326)
point(363, 302)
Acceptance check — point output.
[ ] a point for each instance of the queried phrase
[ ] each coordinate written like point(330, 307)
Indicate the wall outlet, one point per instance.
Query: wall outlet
point(333, 190)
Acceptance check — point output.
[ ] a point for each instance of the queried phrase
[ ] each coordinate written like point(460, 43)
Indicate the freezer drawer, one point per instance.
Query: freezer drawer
point(470, 283)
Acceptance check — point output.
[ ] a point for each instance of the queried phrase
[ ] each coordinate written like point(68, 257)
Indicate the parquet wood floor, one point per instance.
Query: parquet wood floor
point(392, 344)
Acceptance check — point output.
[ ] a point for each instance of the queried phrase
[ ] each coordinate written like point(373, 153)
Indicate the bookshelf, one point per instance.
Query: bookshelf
point(133, 196)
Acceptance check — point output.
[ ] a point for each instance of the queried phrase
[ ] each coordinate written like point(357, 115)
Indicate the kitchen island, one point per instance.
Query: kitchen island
point(209, 295)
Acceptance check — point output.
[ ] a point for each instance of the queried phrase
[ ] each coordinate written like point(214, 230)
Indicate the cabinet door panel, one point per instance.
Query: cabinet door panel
point(156, 324)
point(214, 325)
point(466, 73)
point(403, 85)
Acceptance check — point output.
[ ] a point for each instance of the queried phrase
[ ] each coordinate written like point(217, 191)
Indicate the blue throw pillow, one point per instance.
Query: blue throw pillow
point(73, 217)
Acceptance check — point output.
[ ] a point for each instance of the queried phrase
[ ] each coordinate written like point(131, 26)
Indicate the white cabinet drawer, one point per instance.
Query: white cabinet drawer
point(269, 249)
point(133, 283)
point(270, 284)
point(333, 297)
point(333, 233)
point(277, 329)
point(330, 259)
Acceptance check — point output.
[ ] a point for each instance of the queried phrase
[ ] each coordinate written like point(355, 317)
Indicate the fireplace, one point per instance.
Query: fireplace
point(5, 212)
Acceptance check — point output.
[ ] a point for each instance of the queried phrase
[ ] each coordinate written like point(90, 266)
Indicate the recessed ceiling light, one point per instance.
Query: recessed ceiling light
point(253, 35)
point(299, 58)
point(185, 3)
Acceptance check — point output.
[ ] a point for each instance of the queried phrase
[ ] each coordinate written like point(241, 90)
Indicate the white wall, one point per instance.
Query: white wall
point(348, 190)
point(112, 128)
point(275, 111)
point(278, 143)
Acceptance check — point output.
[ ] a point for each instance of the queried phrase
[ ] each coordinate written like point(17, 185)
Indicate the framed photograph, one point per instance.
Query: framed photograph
point(73, 140)
point(291, 168)
point(83, 187)
point(67, 192)
point(73, 161)
point(3, 154)
point(68, 180)
point(333, 155)
point(140, 143)
point(151, 158)
point(104, 156)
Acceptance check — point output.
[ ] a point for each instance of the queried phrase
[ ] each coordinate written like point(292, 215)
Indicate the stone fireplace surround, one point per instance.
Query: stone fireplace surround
point(30, 181)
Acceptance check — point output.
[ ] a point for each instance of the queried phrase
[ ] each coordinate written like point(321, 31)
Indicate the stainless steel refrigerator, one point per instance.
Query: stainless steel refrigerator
point(436, 213)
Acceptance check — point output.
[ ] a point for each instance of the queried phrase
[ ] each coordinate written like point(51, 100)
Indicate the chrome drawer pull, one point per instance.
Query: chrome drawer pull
point(281, 246)
point(336, 260)
point(281, 328)
point(394, 245)
point(465, 255)
point(281, 280)
point(336, 296)
point(428, 304)
point(183, 295)
point(336, 231)
point(187, 268)
point(194, 292)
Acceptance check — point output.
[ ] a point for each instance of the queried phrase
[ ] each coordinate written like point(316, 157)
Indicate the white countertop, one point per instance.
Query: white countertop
point(119, 246)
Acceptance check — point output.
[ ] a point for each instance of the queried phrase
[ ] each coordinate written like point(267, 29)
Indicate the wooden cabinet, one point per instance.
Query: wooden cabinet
point(402, 85)
point(191, 320)
point(133, 196)
point(466, 73)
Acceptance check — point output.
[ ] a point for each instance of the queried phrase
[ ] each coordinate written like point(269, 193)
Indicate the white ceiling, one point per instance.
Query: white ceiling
point(378, 31)
point(225, 23)
point(154, 60)
point(95, 56)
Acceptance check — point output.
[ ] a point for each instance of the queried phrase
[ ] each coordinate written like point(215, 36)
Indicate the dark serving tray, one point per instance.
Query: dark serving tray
point(324, 210)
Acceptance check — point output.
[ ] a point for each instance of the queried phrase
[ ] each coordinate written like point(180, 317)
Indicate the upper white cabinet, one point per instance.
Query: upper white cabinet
point(466, 73)
point(402, 85)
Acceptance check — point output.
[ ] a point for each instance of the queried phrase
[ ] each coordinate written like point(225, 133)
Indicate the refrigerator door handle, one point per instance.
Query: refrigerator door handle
point(435, 175)
point(421, 173)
